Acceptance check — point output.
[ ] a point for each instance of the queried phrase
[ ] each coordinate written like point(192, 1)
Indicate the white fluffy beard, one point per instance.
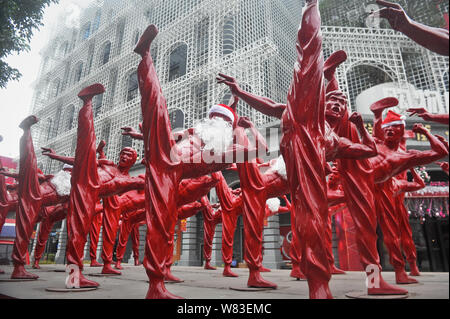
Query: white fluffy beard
point(279, 167)
point(273, 204)
point(61, 181)
point(216, 134)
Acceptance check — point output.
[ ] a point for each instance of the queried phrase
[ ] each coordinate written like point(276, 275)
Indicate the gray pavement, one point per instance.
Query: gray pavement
point(205, 284)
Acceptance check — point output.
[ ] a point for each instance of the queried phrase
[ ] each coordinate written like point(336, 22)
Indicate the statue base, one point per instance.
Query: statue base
point(16, 280)
point(254, 289)
point(364, 295)
point(70, 289)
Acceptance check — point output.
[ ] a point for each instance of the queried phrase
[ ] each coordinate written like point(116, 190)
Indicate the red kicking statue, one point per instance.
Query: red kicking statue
point(166, 165)
point(29, 201)
point(85, 185)
point(231, 207)
point(402, 186)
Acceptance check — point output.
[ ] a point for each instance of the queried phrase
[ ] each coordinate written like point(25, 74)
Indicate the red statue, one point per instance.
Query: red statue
point(112, 209)
point(231, 207)
point(29, 200)
point(434, 39)
point(5, 200)
point(336, 198)
point(114, 179)
point(307, 143)
point(94, 236)
point(167, 164)
point(85, 184)
point(394, 159)
point(254, 198)
point(129, 226)
point(48, 217)
point(402, 186)
point(211, 218)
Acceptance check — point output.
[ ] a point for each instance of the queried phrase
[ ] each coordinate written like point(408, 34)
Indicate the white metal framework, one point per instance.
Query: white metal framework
point(251, 40)
point(377, 56)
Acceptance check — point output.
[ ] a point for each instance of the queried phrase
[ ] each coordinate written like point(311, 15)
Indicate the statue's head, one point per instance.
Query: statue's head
point(393, 127)
point(334, 180)
point(335, 106)
point(127, 157)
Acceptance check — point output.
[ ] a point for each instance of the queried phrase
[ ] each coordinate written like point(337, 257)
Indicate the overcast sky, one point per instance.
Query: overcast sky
point(15, 99)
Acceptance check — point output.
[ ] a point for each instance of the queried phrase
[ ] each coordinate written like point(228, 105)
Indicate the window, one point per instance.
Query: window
point(113, 81)
point(176, 118)
point(202, 41)
point(64, 49)
point(127, 141)
point(132, 87)
point(177, 62)
point(70, 117)
point(86, 33)
point(78, 72)
point(97, 104)
point(228, 37)
point(97, 20)
point(90, 59)
point(49, 128)
point(201, 99)
point(56, 87)
point(119, 36)
point(57, 121)
point(106, 53)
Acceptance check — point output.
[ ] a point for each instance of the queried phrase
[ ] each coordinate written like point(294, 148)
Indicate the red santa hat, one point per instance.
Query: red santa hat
point(223, 110)
point(393, 118)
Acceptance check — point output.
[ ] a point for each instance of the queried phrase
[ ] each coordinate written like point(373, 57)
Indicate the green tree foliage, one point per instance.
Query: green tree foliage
point(18, 20)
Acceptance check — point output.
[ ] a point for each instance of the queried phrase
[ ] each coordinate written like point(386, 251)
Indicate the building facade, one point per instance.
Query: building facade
point(252, 40)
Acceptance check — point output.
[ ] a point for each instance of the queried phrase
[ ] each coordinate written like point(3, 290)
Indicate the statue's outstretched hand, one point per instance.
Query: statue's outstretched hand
point(127, 130)
point(47, 151)
point(392, 12)
point(230, 81)
point(244, 122)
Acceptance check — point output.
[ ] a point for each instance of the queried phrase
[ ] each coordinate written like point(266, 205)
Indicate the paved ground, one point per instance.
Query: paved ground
point(206, 284)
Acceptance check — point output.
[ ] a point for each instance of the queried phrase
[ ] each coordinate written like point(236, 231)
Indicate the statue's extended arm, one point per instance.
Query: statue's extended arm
point(127, 130)
point(434, 39)
point(261, 104)
point(366, 149)
point(415, 185)
point(9, 174)
point(51, 153)
point(438, 149)
point(427, 116)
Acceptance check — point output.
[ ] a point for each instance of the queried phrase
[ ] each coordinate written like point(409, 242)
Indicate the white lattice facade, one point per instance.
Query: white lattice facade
point(249, 39)
point(377, 56)
point(252, 40)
